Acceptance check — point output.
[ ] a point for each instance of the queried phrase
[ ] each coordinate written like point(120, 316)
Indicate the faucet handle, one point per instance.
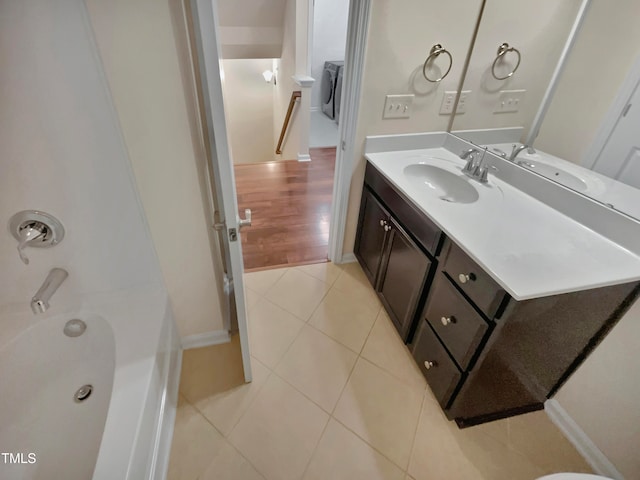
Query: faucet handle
point(468, 153)
point(28, 235)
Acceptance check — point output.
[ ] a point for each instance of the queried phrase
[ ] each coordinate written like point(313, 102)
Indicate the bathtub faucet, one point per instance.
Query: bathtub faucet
point(40, 301)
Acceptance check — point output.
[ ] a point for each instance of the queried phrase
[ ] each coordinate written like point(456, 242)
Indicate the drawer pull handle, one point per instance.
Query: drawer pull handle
point(387, 228)
point(383, 223)
point(466, 277)
point(448, 320)
point(428, 365)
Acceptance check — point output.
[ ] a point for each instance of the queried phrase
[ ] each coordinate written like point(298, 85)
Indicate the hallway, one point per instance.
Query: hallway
point(290, 203)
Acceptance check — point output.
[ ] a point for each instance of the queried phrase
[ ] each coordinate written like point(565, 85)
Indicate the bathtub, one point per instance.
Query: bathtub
point(129, 355)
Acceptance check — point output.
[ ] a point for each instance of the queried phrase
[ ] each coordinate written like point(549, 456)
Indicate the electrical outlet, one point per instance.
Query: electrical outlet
point(449, 98)
point(398, 106)
point(509, 101)
point(447, 103)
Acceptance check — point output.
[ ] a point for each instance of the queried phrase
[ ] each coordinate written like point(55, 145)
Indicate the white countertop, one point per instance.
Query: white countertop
point(529, 248)
point(609, 191)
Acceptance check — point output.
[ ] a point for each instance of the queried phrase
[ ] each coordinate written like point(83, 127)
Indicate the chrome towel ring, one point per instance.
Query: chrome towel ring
point(435, 52)
point(502, 51)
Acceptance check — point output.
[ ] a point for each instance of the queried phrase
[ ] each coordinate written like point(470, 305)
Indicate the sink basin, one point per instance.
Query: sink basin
point(557, 174)
point(445, 185)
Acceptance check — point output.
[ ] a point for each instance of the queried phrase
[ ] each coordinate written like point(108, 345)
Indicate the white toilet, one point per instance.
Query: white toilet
point(573, 476)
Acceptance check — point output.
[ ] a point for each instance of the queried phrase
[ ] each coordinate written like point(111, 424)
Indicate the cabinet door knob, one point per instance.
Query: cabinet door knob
point(383, 223)
point(447, 320)
point(387, 228)
point(466, 277)
point(428, 365)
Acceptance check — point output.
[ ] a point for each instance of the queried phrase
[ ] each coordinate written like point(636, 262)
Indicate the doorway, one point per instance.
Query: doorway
point(284, 146)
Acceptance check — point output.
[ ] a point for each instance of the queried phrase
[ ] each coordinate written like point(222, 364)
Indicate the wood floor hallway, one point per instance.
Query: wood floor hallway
point(290, 202)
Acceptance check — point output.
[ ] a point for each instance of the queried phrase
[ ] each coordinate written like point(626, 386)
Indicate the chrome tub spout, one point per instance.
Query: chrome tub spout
point(40, 301)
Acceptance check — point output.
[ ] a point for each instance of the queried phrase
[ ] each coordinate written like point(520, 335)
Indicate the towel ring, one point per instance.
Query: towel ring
point(502, 51)
point(435, 52)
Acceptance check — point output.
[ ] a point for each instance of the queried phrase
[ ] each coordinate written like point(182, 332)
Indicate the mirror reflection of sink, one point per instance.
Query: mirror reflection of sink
point(554, 173)
point(445, 185)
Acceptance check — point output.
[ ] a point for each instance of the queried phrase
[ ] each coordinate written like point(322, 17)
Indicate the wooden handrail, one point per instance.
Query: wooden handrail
point(294, 96)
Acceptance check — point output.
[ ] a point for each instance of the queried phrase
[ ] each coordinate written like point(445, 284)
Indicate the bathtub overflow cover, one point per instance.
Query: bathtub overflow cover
point(83, 393)
point(74, 328)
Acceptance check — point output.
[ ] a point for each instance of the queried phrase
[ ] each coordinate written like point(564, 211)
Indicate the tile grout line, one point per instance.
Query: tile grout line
point(315, 448)
point(235, 424)
point(366, 442)
point(415, 433)
point(226, 439)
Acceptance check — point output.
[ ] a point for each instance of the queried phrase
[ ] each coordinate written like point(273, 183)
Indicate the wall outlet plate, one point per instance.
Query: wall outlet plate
point(398, 106)
point(447, 102)
point(509, 101)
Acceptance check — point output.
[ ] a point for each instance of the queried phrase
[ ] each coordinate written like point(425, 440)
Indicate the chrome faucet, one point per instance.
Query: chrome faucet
point(475, 169)
point(516, 150)
point(40, 301)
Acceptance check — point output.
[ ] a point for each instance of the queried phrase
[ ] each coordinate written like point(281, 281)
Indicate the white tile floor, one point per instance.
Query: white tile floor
point(323, 131)
point(336, 395)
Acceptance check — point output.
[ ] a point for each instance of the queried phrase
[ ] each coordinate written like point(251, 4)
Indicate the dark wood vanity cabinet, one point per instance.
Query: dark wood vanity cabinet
point(484, 355)
point(396, 246)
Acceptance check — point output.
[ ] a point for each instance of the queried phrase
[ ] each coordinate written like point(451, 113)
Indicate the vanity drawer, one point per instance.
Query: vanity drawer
point(473, 280)
point(440, 371)
point(422, 228)
point(455, 321)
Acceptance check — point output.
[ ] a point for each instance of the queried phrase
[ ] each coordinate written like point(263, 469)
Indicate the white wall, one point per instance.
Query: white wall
point(138, 41)
point(251, 28)
point(401, 33)
point(539, 30)
point(286, 68)
point(330, 21)
point(592, 78)
point(61, 152)
point(603, 395)
point(249, 107)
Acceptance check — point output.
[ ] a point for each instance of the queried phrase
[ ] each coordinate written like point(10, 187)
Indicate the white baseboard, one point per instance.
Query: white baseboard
point(348, 258)
point(304, 157)
point(585, 446)
point(206, 339)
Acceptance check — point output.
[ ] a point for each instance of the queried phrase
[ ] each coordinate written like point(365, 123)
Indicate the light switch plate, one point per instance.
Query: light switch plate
point(447, 102)
point(398, 106)
point(509, 101)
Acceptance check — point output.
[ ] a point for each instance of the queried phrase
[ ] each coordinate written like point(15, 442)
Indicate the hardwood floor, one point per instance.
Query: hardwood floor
point(290, 202)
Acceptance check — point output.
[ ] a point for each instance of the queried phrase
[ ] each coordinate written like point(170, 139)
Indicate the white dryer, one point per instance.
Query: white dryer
point(328, 87)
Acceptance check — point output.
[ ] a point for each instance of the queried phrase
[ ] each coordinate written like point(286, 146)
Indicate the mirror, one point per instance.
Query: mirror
point(575, 111)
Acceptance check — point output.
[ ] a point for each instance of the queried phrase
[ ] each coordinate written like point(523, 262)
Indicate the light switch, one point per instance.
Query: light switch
point(509, 101)
point(398, 106)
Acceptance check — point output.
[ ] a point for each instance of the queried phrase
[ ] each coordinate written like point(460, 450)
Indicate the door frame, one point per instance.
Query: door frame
point(357, 34)
point(610, 122)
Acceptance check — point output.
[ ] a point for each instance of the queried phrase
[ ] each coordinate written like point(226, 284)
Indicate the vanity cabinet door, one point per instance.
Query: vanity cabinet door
point(371, 234)
point(402, 278)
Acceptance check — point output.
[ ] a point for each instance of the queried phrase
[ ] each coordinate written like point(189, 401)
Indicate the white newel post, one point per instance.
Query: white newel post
point(304, 115)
